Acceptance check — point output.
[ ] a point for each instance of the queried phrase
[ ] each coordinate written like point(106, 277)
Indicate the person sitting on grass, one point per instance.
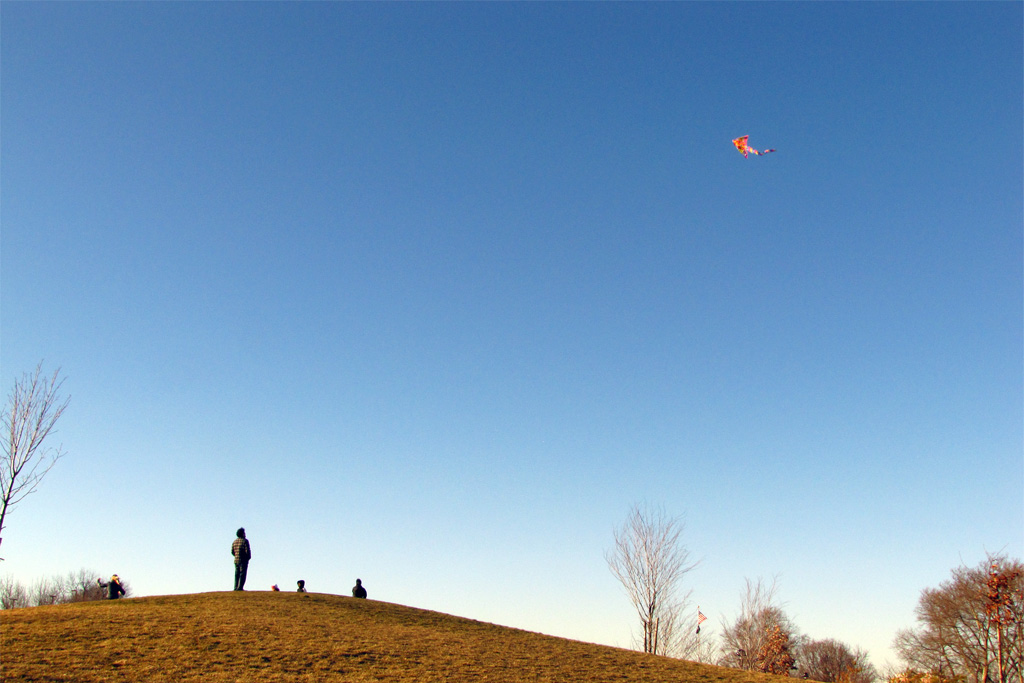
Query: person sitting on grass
point(302, 586)
point(113, 587)
point(358, 591)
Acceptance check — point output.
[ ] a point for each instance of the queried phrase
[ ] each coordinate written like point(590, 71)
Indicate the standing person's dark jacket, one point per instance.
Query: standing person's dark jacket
point(241, 550)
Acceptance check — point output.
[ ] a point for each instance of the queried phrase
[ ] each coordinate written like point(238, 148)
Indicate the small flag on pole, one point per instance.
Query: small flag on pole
point(700, 619)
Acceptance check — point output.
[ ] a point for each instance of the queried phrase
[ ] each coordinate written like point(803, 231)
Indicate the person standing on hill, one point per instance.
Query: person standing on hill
point(241, 551)
point(357, 590)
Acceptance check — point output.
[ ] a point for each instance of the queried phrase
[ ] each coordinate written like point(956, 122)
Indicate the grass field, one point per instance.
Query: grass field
point(266, 636)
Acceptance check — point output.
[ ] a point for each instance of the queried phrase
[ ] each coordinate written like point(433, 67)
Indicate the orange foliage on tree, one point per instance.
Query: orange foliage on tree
point(999, 607)
point(774, 657)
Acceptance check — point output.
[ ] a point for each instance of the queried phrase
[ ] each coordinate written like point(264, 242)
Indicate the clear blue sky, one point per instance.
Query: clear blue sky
point(430, 294)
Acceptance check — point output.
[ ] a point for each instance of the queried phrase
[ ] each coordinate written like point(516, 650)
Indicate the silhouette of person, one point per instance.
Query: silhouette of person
point(242, 553)
point(113, 587)
point(357, 590)
point(302, 586)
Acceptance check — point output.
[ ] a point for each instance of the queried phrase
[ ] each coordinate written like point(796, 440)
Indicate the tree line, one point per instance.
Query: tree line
point(970, 629)
point(80, 586)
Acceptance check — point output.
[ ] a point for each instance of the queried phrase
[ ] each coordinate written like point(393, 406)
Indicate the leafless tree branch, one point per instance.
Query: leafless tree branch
point(33, 408)
point(650, 561)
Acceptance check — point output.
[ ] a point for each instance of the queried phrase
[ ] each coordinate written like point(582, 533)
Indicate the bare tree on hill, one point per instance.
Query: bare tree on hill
point(33, 408)
point(832, 661)
point(82, 586)
point(47, 590)
point(12, 593)
point(762, 636)
point(651, 561)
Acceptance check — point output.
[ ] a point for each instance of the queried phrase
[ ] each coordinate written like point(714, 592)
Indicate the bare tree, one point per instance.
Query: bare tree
point(12, 593)
point(971, 626)
point(762, 636)
point(744, 638)
point(47, 591)
point(832, 661)
point(651, 561)
point(33, 408)
point(82, 586)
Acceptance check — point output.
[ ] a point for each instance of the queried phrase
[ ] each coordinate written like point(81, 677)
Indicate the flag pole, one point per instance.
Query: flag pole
point(700, 619)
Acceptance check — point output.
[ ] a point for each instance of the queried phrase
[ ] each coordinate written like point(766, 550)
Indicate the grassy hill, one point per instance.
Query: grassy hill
point(265, 636)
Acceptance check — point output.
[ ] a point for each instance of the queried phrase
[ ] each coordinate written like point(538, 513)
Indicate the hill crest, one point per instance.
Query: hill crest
point(271, 636)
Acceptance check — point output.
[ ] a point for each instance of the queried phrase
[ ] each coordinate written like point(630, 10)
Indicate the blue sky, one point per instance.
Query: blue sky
point(431, 294)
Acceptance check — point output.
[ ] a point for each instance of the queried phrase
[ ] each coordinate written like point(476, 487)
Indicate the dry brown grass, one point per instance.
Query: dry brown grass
point(265, 636)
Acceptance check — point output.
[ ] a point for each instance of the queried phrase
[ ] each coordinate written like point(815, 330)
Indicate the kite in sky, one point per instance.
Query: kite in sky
point(741, 145)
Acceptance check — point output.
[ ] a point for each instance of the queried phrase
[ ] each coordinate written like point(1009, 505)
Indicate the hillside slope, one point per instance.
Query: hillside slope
point(265, 636)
